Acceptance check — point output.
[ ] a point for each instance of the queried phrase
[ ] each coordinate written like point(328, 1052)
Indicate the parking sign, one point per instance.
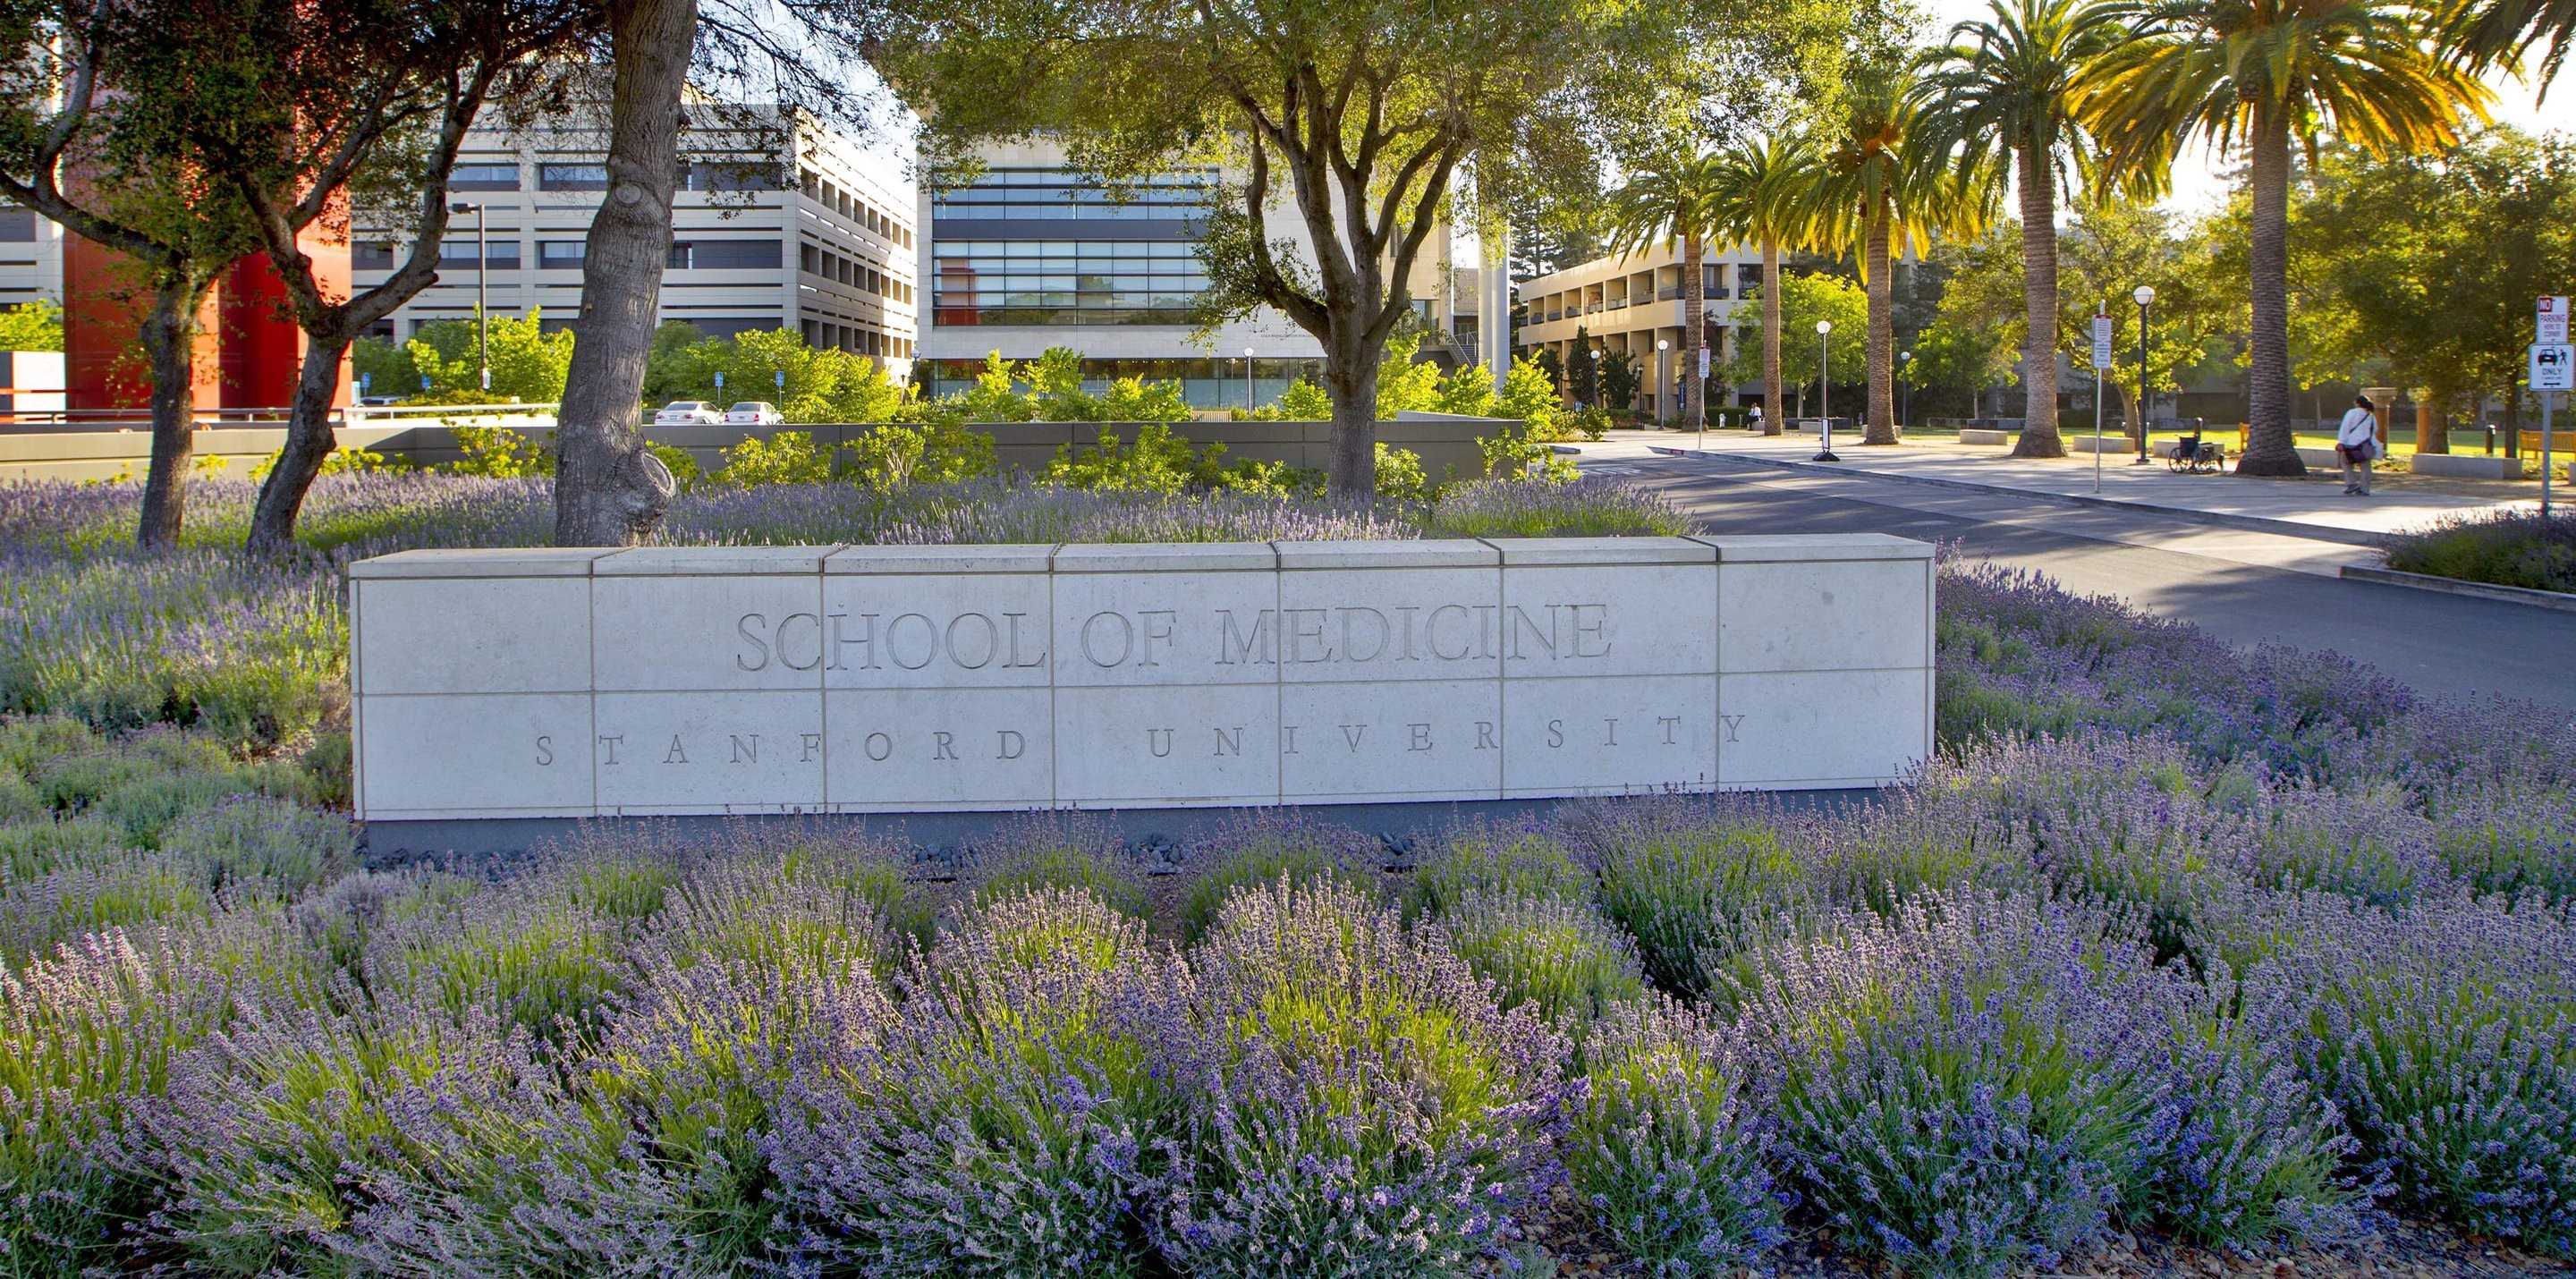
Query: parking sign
point(2553, 367)
point(2101, 341)
point(2552, 316)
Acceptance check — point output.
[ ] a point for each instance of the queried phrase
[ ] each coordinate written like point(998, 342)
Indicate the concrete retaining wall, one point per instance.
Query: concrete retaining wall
point(806, 679)
point(1445, 444)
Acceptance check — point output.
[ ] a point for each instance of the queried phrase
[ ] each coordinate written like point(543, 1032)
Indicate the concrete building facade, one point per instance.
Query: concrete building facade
point(1629, 303)
point(780, 223)
point(1032, 254)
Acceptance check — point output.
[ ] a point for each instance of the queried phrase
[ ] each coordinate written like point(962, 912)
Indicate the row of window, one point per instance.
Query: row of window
point(1060, 193)
point(816, 260)
point(823, 191)
point(743, 174)
point(856, 339)
point(989, 254)
point(1052, 316)
point(457, 254)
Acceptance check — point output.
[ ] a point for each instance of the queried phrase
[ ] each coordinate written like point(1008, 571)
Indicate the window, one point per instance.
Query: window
point(17, 226)
point(809, 259)
point(1066, 282)
point(458, 251)
point(377, 255)
point(741, 255)
point(745, 173)
point(682, 256)
point(561, 255)
point(572, 177)
point(483, 177)
point(1060, 193)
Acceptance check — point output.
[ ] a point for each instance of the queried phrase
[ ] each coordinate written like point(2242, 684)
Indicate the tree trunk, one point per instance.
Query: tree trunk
point(170, 338)
point(609, 488)
point(1695, 319)
point(1771, 400)
point(2270, 448)
point(1350, 379)
point(309, 442)
point(1882, 334)
point(2432, 421)
point(2039, 432)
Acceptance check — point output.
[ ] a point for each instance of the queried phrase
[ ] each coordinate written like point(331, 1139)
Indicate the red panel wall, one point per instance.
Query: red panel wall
point(249, 351)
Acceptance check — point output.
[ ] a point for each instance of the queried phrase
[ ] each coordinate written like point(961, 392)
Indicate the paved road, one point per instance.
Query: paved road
point(2437, 643)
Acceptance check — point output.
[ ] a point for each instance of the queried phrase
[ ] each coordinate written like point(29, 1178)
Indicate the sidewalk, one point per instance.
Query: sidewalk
point(2312, 508)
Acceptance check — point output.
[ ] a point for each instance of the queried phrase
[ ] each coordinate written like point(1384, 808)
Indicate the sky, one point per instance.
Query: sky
point(2201, 183)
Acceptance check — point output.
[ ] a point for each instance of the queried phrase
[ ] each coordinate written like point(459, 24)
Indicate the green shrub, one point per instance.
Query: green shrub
point(1065, 852)
point(36, 847)
point(1497, 861)
point(122, 889)
point(19, 798)
point(285, 847)
point(788, 457)
point(1663, 1148)
point(26, 743)
point(522, 953)
point(1556, 954)
point(1700, 889)
point(1305, 855)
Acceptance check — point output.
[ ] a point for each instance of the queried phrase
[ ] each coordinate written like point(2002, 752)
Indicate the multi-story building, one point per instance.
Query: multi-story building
point(1031, 254)
point(1631, 302)
point(31, 258)
point(781, 222)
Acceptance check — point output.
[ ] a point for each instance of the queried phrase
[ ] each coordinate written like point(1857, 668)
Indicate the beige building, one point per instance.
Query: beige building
point(792, 226)
point(1632, 302)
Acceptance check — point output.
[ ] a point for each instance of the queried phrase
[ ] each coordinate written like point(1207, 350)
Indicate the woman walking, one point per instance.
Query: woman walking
point(2357, 443)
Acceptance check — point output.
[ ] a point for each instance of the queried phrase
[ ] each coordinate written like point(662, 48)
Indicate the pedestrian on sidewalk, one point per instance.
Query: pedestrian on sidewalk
point(2357, 443)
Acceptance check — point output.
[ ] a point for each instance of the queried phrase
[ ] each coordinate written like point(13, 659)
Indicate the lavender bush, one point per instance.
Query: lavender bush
point(1354, 1103)
point(1496, 860)
point(1272, 847)
point(1698, 883)
point(2446, 1032)
point(1550, 953)
point(1965, 1088)
point(1057, 850)
point(1007, 1125)
point(1666, 1149)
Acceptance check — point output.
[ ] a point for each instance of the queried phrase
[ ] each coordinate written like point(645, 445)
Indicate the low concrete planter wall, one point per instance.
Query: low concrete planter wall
point(1446, 445)
point(553, 683)
point(2468, 466)
point(1973, 435)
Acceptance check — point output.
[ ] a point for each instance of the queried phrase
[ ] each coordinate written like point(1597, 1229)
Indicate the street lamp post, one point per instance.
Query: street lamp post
point(1661, 346)
point(1600, 396)
point(1247, 379)
point(1903, 358)
point(482, 268)
point(2145, 298)
point(1825, 387)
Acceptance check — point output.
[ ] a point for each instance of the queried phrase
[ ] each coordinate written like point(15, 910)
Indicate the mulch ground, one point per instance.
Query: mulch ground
point(2394, 1249)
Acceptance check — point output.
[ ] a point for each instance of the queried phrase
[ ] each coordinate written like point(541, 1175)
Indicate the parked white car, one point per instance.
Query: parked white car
point(688, 413)
point(753, 413)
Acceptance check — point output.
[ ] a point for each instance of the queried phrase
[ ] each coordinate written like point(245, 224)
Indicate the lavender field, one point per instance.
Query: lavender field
point(2237, 950)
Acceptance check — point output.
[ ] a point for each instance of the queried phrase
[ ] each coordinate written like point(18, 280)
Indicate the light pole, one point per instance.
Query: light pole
point(482, 268)
point(1600, 397)
point(1825, 388)
point(2145, 298)
point(1662, 346)
point(1903, 360)
point(1247, 379)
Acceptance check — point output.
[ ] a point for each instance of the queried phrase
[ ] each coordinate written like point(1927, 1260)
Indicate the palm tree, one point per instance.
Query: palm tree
point(1672, 198)
point(2250, 77)
point(2504, 32)
point(1875, 188)
point(1757, 187)
point(2000, 100)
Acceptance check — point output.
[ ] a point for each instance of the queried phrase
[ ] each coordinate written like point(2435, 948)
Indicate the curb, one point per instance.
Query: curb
point(2250, 523)
point(2523, 595)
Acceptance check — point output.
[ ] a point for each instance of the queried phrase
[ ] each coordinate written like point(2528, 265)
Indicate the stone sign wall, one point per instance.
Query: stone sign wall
point(528, 683)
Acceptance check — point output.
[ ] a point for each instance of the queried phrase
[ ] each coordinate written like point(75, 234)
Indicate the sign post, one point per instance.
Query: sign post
point(2101, 364)
point(2553, 369)
point(1703, 398)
